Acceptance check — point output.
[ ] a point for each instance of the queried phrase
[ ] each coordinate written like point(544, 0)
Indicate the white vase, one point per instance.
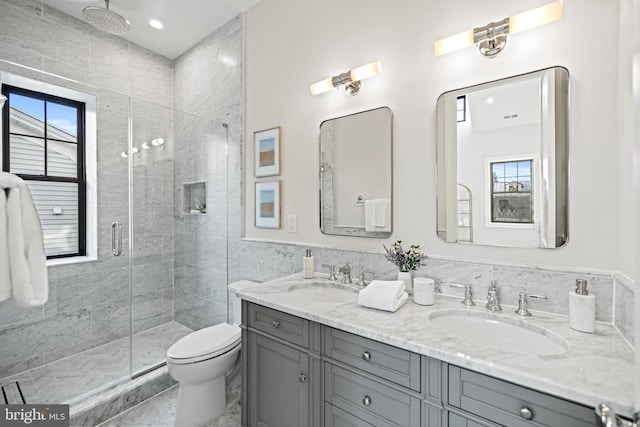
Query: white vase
point(407, 278)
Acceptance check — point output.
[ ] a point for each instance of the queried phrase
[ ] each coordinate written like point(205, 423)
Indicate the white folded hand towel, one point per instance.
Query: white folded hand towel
point(383, 295)
point(377, 215)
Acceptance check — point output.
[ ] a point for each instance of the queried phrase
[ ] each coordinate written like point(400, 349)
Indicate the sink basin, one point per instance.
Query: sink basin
point(324, 292)
point(501, 332)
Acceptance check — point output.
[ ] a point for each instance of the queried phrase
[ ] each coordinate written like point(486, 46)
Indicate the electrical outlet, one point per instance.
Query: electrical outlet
point(292, 223)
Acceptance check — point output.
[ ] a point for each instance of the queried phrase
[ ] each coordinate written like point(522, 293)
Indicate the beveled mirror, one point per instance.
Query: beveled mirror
point(503, 162)
point(356, 174)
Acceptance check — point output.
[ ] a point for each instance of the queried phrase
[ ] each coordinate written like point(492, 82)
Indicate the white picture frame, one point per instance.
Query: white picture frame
point(267, 147)
point(268, 204)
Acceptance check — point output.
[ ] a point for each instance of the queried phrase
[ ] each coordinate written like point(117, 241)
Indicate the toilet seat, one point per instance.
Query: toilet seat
point(204, 344)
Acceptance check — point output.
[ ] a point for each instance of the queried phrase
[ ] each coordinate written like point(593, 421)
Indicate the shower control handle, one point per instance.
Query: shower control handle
point(116, 238)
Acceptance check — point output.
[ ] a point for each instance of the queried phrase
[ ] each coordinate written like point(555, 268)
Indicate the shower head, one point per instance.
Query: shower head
point(106, 20)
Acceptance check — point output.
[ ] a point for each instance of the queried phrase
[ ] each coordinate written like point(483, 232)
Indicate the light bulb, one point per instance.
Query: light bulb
point(535, 17)
point(366, 71)
point(321, 87)
point(453, 43)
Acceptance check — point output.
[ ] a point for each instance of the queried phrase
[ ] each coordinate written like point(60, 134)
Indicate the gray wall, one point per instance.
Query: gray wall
point(88, 302)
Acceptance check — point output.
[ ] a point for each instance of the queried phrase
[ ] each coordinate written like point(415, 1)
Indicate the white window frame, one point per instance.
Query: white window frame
point(90, 155)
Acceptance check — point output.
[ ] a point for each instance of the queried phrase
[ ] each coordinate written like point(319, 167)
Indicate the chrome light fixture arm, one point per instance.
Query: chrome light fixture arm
point(491, 38)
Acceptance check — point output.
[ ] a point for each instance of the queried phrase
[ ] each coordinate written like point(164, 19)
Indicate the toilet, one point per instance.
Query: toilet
point(200, 362)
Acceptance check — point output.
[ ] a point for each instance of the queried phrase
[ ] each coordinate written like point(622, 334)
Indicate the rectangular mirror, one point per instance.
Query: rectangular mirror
point(503, 162)
point(356, 174)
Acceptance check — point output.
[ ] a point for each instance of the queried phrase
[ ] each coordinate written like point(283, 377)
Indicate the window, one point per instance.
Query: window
point(43, 142)
point(461, 107)
point(511, 195)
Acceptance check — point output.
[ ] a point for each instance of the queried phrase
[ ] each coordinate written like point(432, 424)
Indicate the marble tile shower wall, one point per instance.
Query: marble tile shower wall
point(263, 261)
point(207, 83)
point(85, 307)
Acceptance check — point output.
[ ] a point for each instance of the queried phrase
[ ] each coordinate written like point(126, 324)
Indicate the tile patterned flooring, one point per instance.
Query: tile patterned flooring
point(160, 411)
point(97, 369)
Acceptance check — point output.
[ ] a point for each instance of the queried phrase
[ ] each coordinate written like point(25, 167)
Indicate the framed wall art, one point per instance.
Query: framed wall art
point(267, 144)
point(268, 204)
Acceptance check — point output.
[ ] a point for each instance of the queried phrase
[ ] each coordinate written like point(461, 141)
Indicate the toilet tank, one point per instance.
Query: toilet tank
point(235, 302)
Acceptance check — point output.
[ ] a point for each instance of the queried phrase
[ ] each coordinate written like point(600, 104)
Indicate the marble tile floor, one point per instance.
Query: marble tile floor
point(94, 370)
point(160, 411)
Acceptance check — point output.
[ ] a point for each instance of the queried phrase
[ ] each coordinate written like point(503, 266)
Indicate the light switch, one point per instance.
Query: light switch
point(292, 223)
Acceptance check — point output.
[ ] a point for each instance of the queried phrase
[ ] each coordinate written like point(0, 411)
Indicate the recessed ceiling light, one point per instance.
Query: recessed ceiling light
point(490, 100)
point(156, 24)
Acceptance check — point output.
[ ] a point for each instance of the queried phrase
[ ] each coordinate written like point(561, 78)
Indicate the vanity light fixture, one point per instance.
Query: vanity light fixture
point(492, 38)
point(350, 79)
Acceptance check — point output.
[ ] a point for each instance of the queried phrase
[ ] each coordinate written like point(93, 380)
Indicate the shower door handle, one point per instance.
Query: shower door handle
point(116, 238)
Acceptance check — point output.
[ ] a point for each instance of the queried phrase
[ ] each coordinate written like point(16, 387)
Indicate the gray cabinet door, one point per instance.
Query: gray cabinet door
point(369, 399)
point(385, 361)
point(279, 384)
point(336, 417)
point(285, 326)
point(511, 405)
point(456, 420)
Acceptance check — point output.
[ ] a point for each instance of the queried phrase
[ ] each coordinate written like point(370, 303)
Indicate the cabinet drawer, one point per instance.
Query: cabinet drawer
point(456, 420)
point(370, 400)
point(512, 405)
point(336, 417)
point(278, 324)
point(385, 361)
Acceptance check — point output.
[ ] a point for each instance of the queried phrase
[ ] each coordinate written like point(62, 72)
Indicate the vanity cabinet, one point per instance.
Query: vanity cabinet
point(300, 373)
point(281, 369)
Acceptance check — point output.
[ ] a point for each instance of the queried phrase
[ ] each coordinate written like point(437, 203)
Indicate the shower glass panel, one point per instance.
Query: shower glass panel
point(178, 229)
point(160, 184)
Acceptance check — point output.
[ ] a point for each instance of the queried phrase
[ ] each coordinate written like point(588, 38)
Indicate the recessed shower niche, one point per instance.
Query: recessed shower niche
point(194, 198)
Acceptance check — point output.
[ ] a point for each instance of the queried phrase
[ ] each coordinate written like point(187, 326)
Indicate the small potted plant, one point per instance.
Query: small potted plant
point(407, 261)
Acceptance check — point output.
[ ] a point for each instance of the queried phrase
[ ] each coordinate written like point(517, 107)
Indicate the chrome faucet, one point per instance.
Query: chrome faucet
point(608, 418)
point(493, 299)
point(523, 309)
point(468, 297)
point(346, 273)
point(361, 277)
point(332, 272)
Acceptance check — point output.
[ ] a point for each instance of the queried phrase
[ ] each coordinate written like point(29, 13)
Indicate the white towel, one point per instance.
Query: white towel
point(377, 215)
point(5, 278)
point(24, 245)
point(383, 295)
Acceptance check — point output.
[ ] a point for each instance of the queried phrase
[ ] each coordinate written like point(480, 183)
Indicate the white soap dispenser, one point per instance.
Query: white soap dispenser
point(307, 265)
point(582, 308)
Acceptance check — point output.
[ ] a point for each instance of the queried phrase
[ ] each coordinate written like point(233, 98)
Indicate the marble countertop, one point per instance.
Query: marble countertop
point(596, 368)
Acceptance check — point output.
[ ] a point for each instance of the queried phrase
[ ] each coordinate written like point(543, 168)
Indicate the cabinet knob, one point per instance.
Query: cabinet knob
point(526, 413)
point(366, 356)
point(276, 324)
point(302, 378)
point(366, 401)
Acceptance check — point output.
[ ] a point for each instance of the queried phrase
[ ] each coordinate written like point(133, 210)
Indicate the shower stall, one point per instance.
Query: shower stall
point(156, 264)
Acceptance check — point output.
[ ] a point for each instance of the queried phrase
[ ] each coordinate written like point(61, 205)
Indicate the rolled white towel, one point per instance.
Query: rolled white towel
point(383, 295)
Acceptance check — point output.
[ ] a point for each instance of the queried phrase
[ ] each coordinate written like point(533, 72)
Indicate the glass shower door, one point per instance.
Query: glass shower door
point(178, 229)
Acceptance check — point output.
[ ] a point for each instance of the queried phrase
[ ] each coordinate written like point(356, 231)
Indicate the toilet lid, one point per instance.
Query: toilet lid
point(209, 341)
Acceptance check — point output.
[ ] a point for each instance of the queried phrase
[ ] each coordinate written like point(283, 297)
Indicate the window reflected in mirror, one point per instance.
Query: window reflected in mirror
point(503, 162)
